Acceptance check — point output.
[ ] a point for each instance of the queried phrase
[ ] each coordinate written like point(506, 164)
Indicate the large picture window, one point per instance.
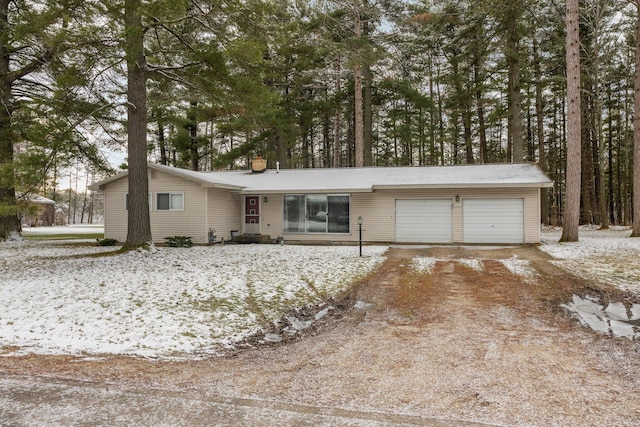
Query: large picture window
point(169, 201)
point(316, 213)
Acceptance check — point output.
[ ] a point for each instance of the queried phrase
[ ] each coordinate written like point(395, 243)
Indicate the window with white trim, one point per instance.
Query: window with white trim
point(170, 201)
point(316, 213)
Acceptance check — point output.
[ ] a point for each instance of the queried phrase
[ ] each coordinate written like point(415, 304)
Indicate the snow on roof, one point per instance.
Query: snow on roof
point(366, 179)
point(35, 198)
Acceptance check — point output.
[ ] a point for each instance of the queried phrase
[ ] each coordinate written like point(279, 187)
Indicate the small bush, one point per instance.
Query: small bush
point(179, 241)
point(106, 242)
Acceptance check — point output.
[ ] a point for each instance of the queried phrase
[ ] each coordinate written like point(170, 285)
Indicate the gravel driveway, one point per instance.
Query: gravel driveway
point(467, 341)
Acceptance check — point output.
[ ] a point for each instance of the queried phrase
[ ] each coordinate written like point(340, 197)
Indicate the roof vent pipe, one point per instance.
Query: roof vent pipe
point(277, 167)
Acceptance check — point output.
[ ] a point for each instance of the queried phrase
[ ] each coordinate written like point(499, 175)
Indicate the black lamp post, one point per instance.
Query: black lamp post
point(360, 232)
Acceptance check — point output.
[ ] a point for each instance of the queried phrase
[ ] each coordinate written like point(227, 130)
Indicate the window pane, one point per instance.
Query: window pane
point(162, 201)
point(317, 213)
point(338, 217)
point(177, 201)
point(294, 214)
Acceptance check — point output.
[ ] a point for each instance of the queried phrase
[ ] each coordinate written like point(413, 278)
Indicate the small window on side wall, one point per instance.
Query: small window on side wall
point(169, 201)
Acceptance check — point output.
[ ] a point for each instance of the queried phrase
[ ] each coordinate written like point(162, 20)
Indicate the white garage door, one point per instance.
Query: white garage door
point(427, 221)
point(493, 220)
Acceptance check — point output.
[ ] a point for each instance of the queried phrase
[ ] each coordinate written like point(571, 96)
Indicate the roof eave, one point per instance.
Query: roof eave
point(222, 186)
point(463, 185)
point(306, 190)
point(101, 184)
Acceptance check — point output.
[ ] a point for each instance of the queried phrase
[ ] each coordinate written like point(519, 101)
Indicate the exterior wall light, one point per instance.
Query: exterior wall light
point(265, 199)
point(457, 198)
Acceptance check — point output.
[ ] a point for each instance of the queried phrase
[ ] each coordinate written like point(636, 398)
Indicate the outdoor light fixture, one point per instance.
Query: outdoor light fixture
point(360, 232)
point(457, 199)
point(265, 199)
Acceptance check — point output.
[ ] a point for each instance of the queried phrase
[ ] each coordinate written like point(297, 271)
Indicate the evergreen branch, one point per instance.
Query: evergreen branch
point(158, 68)
point(34, 65)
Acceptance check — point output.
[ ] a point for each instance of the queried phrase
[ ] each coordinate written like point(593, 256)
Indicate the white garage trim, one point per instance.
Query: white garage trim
point(424, 221)
point(493, 220)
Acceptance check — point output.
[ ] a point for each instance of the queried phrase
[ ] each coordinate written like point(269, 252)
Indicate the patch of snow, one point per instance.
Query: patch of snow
point(473, 263)
point(605, 256)
point(322, 313)
point(64, 229)
point(14, 237)
point(275, 338)
point(297, 324)
point(423, 264)
point(520, 267)
point(361, 305)
point(58, 298)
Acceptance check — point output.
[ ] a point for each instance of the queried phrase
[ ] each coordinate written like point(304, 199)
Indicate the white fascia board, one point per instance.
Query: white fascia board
point(101, 184)
point(221, 186)
point(306, 191)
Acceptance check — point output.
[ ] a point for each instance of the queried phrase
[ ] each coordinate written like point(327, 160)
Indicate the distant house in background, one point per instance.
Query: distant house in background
point(494, 203)
point(37, 211)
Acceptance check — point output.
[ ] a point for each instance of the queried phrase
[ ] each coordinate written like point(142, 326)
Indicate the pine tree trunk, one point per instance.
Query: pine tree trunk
point(542, 153)
point(572, 196)
point(139, 224)
point(357, 77)
point(337, 144)
point(482, 131)
point(281, 149)
point(515, 97)
point(194, 156)
point(586, 162)
point(367, 109)
point(162, 142)
point(636, 133)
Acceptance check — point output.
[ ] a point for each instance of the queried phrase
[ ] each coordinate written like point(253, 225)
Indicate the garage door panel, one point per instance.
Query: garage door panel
point(493, 221)
point(427, 221)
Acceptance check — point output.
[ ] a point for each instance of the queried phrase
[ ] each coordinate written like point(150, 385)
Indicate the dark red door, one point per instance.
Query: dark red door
point(252, 210)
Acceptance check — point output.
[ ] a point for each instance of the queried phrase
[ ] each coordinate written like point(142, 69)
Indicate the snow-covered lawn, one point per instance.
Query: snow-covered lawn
point(58, 297)
point(603, 256)
point(77, 229)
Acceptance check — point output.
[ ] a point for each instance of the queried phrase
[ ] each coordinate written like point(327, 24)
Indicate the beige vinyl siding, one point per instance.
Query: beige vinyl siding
point(115, 214)
point(378, 213)
point(223, 212)
point(271, 215)
point(188, 222)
